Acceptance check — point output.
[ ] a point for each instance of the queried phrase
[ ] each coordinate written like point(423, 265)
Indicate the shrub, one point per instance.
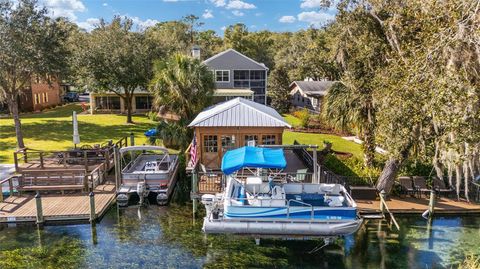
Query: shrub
point(304, 117)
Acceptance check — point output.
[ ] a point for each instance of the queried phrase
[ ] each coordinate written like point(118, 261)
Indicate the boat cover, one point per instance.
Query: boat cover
point(254, 157)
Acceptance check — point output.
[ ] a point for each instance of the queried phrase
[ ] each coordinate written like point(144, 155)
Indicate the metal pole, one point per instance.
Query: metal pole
point(132, 139)
point(93, 215)
point(431, 204)
point(38, 202)
point(315, 167)
point(1, 192)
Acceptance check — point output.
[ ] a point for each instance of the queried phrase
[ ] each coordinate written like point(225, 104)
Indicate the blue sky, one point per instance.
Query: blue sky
point(274, 15)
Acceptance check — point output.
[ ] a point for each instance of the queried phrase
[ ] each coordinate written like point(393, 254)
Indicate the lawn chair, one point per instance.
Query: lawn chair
point(406, 185)
point(300, 176)
point(420, 184)
point(441, 188)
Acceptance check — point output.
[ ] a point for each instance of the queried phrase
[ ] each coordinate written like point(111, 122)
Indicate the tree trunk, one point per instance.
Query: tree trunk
point(128, 102)
point(389, 173)
point(368, 146)
point(13, 106)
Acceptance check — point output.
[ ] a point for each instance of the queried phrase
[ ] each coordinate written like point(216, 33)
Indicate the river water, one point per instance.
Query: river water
point(168, 237)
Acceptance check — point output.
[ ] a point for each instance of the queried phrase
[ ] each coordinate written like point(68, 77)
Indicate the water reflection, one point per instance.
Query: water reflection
point(160, 237)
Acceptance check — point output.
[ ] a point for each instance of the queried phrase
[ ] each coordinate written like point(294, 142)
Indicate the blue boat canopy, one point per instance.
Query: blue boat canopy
point(236, 159)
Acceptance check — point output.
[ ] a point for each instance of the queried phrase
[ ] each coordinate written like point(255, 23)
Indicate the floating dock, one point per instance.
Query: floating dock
point(56, 207)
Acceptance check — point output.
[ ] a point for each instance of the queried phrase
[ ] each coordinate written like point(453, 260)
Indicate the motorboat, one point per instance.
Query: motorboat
point(149, 171)
point(261, 206)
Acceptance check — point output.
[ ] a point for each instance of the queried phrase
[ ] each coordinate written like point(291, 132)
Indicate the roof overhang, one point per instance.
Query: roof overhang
point(233, 92)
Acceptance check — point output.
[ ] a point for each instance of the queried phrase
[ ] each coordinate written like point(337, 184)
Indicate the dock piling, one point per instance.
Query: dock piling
point(116, 164)
point(38, 202)
point(132, 139)
point(93, 216)
point(382, 199)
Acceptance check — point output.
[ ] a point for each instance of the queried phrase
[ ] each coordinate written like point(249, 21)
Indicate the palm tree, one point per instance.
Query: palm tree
point(350, 108)
point(184, 86)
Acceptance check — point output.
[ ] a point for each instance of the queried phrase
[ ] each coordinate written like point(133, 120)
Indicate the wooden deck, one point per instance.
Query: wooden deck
point(68, 207)
point(410, 205)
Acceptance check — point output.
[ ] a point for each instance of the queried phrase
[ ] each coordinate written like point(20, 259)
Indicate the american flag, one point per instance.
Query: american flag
point(193, 151)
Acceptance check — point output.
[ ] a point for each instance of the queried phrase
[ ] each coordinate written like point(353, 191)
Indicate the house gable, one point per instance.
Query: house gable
point(233, 60)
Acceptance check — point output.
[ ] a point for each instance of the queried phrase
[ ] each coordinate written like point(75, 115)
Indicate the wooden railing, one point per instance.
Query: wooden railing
point(384, 207)
point(10, 181)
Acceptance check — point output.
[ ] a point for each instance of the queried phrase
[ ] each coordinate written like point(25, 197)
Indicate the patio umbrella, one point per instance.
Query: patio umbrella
point(76, 136)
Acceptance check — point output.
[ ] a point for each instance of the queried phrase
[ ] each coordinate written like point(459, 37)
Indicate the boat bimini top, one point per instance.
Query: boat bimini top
point(143, 148)
point(252, 157)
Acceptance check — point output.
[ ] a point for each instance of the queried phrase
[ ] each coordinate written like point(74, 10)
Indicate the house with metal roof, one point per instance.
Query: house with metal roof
point(309, 94)
point(232, 124)
point(237, 75)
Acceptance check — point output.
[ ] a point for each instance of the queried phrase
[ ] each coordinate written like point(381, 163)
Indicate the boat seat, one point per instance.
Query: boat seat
point(334, 201)
point(330, 189)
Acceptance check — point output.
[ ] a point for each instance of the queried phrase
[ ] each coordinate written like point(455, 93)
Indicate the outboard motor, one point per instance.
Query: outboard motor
point(142, 191)
point(122, 199)
point(210, 200)
point(162, 198)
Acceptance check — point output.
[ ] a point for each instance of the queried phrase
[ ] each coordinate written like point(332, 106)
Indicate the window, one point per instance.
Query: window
point(36, 99)
point(228, 142)
point(222, 75)
point(45, 97)
point(251, 138)
point(257, 75)
point(241, 84)
point(240, 74)
point(143, 102)
point(210, 143)
point(108, 102)
point(268, 140)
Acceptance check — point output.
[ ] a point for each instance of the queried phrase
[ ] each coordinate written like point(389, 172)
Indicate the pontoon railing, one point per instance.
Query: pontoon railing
point(312, 214)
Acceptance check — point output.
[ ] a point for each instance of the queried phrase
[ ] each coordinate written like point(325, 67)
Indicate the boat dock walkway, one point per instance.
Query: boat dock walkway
point(410, 205)
point(57, 207)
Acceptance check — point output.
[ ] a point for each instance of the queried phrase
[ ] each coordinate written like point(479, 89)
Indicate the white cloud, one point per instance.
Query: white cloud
point(142, 24)
point(64, 8)
point(287, 19)
point(223, 28)
point(238, 13)
point(315, 18)
point(207, 14)
point(218, 3)
point(89, 24)
point(238, 4)
point(312, 3)
point(104, 4)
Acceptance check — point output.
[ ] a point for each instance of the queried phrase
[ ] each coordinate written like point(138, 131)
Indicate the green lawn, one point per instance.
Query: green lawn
point(292, 120)
point(338, 143)
point(52, 130)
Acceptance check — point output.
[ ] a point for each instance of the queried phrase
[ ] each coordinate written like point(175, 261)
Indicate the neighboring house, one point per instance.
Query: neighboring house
point(232, 124)
point(309, 94)
point(237, 75)
point(110, 102)
point(40, 94)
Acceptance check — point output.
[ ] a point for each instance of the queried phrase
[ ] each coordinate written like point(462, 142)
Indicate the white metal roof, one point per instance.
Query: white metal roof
point(239, 112)
point(233, 92)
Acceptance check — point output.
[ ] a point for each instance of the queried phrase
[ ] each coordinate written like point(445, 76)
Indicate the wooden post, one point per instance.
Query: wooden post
point(15, 160)
point(93, 215)
point(10, 186)
point(382, 200)
point(41, 159)
point(107, 158)
point(132, 139)
point(431, 204)
point(194, 191)
point(315, 167)
point(1, 192)
point(38, 202)
point(116, 164)
point(25, 158)
point(85, 159)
